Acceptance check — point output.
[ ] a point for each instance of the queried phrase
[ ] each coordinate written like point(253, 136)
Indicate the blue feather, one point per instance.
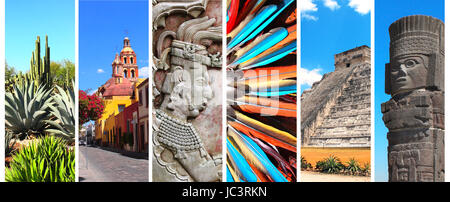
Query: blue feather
point(229, 177)
point(274, 56)
point(267, 43)
point(271, 94)
point(252, 25)
point(280, 9)
point(279, 89)
point(274, 173)
point(241, 164)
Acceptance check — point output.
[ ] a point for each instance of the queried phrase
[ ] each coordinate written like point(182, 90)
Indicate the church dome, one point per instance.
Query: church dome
point(127, 49)
point(126, 46)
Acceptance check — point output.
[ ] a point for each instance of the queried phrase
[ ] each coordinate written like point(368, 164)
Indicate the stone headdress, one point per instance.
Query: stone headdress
point(420, 35)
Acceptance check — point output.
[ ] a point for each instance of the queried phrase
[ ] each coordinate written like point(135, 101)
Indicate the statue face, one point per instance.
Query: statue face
point(408, 72)
point(179, 100)
point(190, 93)
point(201, 91)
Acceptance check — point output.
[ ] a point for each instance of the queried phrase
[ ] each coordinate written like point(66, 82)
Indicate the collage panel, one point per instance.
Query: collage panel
point(225, 76)
point(336, 92)
point(40, 91)
point(409, 91)
point(113, 91)
point(261, 90)
point(187, 91)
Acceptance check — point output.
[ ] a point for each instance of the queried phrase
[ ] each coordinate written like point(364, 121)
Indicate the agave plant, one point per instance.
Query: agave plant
point(365, 170)
point(26, 108)
point(353, 167)
point(10, 141)
point(63, 111)
point(304, 164)
point(332, 164)
point(47, 159)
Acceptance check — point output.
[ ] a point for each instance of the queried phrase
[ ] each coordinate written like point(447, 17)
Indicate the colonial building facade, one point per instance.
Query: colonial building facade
point(118, 126)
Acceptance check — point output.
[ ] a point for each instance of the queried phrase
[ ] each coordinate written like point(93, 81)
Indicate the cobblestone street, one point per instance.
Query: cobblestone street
point(99, 165)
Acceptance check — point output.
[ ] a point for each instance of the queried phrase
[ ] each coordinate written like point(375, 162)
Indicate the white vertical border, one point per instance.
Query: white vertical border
point(447, 62)
point(2, 86)
point(299, 85)
point(224, 94)
point(150, 80)
point(372, 92)
point(77, 148)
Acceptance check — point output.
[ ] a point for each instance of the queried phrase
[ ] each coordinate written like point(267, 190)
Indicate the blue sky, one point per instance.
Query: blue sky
point(330, 27)
point(25, 20)
point(102, 27)
point(386, 12)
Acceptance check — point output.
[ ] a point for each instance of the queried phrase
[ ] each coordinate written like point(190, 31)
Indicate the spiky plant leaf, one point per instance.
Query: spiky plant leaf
point(45, 160)
point(63, 110)
point(26, 109)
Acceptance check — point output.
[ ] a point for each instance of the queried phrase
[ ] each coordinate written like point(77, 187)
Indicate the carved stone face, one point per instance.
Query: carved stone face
point(408, 72)
point(179, 100)
point(201, 91)
point(190, 94)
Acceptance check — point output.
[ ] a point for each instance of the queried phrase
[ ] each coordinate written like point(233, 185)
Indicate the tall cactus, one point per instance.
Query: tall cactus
point(39, 68)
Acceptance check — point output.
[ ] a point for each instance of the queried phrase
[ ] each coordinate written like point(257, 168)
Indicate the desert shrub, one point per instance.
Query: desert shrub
point(365, 170)
point(47, 159)
point(304, 164)
point(352, 167)
point(332, 164)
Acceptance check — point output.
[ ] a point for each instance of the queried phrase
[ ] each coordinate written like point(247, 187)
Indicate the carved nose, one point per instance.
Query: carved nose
point(402, 70)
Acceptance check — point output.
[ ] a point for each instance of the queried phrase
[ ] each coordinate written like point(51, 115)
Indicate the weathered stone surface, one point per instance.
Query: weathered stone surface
point(336, 110)
point(415, 113)
point(187, 88)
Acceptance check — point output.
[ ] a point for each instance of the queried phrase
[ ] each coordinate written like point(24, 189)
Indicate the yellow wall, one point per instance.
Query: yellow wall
point(111, 110)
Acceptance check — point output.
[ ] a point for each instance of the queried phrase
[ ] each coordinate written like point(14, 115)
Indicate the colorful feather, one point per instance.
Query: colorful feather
point(255, 156)
point(241, 165)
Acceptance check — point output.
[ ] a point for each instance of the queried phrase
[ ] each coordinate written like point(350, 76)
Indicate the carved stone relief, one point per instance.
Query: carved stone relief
point(187, 91)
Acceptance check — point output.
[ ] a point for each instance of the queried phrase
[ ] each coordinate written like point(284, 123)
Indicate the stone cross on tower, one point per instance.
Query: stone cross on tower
point(415, 113)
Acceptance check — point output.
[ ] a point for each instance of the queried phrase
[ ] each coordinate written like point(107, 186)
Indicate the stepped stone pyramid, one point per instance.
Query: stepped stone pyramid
point(336, 110)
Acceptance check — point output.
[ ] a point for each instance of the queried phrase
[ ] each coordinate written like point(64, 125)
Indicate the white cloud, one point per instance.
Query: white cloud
point(309, 17)
point(100, 71)
point(307, 6)
point(308, 77)
point(143, 72)
point(361, 6)
point(331, 4)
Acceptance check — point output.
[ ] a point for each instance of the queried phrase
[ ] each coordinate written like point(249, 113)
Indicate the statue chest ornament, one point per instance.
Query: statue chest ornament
point(178, 136)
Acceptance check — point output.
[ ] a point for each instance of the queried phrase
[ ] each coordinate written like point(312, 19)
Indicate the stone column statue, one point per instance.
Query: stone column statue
point(415, 113)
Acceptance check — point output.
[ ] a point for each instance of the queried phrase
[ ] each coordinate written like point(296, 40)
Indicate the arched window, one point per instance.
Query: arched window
point(117, 69)
point(125, 73)
point(124, 60)
point(132, 73)
point(131, 60)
